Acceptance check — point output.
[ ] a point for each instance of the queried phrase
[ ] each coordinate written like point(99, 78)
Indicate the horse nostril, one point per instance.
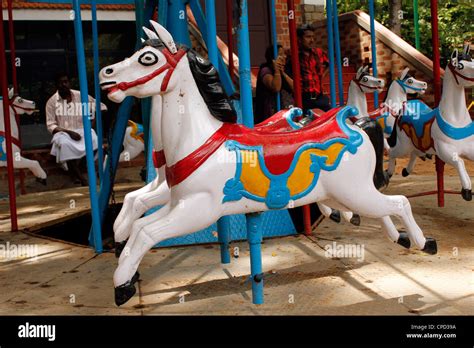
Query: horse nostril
point(109, 71)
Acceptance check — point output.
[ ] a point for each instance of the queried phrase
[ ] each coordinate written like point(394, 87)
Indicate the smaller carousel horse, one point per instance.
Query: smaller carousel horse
point(133, 142)
point(18, 106)
point(394, 102)
point(296, 168)
point(446, 131)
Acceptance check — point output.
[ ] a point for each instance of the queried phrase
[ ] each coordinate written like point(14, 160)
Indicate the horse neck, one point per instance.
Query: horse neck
point(395, 97)
point(186, 120)
point(155, 119)
point(13, 123)
point(453, 102)
point(357, 99)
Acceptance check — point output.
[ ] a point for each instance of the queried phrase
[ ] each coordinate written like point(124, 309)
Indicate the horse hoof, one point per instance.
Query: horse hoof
point(42, 181)
point(119, 248)
point(466, 194)
point(403, 240)
point(355, 220)
point(405, 172)
point(423, 158)
point(430, 246)
point(124, 292)
point(430, 157)
point(335, 216)
point(388, 174)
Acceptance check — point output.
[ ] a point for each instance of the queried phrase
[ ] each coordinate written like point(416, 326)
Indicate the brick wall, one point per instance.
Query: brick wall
point(282, 20)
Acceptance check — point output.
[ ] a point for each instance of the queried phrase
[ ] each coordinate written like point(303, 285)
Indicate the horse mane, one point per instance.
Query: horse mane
point(210, 87)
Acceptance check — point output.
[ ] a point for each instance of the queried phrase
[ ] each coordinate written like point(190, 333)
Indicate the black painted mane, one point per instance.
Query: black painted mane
point(208, 82)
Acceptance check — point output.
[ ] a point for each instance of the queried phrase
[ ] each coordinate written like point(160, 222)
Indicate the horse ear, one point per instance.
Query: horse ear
point(359, 71)
point(165, 36)
point(454, 57)
point(11, 93)
point(467, 48)
point(404, 73)
point(143, 40)
point(151, 34)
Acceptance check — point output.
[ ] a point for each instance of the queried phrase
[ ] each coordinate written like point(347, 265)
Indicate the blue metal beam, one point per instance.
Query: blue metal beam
point(275, 44)
point(331, 52)
point(81, 65)
point(337, 42)
point(374, 48)
point(177, 23)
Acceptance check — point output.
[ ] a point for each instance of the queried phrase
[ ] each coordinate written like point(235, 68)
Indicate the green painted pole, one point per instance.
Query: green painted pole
point(417, 26)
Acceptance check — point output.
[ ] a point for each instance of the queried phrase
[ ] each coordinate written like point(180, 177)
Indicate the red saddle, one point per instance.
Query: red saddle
point(279, 148)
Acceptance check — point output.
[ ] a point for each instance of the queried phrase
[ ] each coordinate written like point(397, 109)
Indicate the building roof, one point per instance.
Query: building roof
point(28, 5)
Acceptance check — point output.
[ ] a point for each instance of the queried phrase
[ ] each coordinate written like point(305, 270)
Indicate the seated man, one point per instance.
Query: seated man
point(64, 121)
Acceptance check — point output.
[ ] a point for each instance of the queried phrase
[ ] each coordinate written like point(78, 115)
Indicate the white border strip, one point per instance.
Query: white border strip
point(65, 15)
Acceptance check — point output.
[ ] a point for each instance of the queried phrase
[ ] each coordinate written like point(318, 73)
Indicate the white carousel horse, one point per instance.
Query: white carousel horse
point(133, 142)
point(18, 106)
point(395, 100)
point(446, 131)
point(294, 168)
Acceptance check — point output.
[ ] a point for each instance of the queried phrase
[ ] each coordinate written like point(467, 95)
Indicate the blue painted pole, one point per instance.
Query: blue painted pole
point(331, 52)
point(254, 232)
point(98, 111)
point(178, 22)
point(254, 237)
point(81, 65)
point(373, 48)
point(275, 44)
point(337, 42)
point(201, 22)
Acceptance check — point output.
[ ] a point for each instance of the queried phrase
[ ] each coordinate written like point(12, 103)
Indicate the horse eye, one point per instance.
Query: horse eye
point(410, 81)
point(20, 100)
point(365, 79)
point(148, 58)
point(460, 66)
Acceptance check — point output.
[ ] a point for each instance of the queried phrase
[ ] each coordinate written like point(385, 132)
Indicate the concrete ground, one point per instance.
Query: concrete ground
point(300, 279)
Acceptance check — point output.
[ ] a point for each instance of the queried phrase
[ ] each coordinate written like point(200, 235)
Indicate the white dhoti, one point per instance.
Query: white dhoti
point(65, 149)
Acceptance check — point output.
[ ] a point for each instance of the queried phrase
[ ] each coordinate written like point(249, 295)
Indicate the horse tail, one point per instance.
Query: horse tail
point(375, 133)
point(392, 139)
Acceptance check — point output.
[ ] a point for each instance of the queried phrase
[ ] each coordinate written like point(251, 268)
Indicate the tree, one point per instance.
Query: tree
point(395, 16)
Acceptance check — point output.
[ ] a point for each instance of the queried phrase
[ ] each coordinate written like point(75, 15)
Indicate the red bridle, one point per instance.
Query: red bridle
point(457, 73)
point(360, 85)
point(171, 61)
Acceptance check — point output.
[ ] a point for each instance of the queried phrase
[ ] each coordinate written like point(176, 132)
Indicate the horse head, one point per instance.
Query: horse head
point(148, 71)
point(409, 84)
point(366, 82)
point(20, 105)
point(462, 67)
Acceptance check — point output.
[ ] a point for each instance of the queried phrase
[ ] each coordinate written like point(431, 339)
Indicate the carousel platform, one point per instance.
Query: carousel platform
point(300, 277)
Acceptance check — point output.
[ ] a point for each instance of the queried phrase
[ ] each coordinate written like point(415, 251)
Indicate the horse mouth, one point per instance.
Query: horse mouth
point(107, 85)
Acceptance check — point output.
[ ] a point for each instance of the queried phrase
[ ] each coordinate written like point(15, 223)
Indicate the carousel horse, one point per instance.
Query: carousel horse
point(296, 168)
point(133, 143)
point(394, 101)
point(446, 131)
point(18, 106)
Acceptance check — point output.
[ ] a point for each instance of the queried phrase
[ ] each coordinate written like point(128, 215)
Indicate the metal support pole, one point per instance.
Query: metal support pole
point(178, 22)
point(417, 25)
point(98, 111)
point(275, 45)
point(81, 65)
point(373, 48)
point(437, 93)
point(330, 27)
point(337, 42)
point(297, 95)
point(8, 134)
point(254, 237)
point(230, 38)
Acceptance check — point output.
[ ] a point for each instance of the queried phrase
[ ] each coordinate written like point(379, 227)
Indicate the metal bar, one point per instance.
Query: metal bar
point(332, 78)
point(275, 44)
point(429, 193)
point(212, 50)
point(201, 21)
point(337, 42)
point(230, 38)
point(98, 111)
point(11, 33)
point(437, 93)
point(8, 134)
point(178, 22)
point(297, 95)
point(81, 65)
point(254, 237)
point(417, 25)
point(373, 48)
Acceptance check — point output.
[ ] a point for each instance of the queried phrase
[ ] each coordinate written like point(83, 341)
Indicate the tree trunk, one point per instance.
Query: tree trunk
point(395, 16)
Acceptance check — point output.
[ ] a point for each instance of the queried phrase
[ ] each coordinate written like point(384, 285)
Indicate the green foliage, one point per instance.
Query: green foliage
point(454, 22)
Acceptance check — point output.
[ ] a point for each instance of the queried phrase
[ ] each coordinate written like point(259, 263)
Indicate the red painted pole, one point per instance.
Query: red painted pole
point(230, 38)
point(8, 134)
point(437, 92)
point(295, 66)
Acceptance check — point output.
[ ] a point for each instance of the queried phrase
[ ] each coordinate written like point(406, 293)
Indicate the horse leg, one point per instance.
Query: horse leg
point(145, 235)
point(140, 206)
point(391, 164)
point(33, 166)
point(450, 155)
point(330, 213)
point(407, 171)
